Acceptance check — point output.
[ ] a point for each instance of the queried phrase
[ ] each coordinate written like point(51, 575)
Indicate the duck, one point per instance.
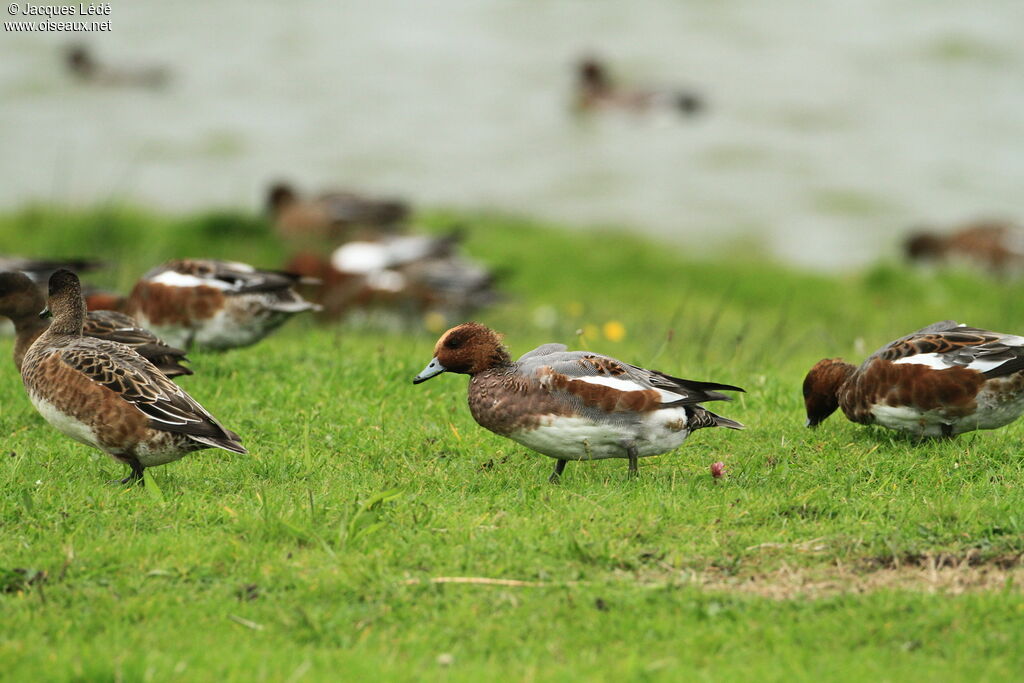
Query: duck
point(574, 405)
point(82, 64)
point(415, 273)
point(331, 217)
point(21, 301)
point(942, 380)
point(992, 245)
point(596, 89)
point(105, 395)
point(39, 270)
point(214, 304)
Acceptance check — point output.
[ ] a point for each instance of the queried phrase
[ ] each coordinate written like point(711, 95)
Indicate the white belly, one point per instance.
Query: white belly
point(65, 424)
point(579, 438)
point(993, 411)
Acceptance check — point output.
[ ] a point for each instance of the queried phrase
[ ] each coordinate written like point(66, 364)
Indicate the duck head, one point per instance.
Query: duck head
point(467, 349)
point(20, 299)
point(79, 60)
point(65, 303)
point(592, 74)
point(821, 388)
point(280, 195)
point(924, 246)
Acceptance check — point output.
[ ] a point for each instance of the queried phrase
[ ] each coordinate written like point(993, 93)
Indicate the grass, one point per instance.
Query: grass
point(330, 551)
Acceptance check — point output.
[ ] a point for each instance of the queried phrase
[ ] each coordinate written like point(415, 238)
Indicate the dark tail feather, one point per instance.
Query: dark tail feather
point(706, 391)
point(172, 368)
point(700, 418)
point(1008, 368)
point(231, 442)
point(726, 422)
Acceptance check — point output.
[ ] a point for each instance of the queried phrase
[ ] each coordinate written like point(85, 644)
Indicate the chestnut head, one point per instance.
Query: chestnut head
point(821, 388)
point(467, 349)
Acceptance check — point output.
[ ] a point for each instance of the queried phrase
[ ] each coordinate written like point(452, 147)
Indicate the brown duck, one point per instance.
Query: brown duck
point(105, 395)
point(21, 301)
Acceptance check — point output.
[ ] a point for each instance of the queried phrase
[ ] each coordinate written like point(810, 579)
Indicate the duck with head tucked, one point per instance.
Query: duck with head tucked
point(943, 380)
point(214, 304)
point(105, 395)
point(575, 405)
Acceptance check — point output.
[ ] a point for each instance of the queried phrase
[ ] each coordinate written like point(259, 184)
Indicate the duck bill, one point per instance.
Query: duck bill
point(433, 369)
point(45, 313)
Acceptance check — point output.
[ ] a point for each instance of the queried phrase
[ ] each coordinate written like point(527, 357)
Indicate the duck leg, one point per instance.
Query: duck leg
point(633, 456)
point(135, 476)
point(556, 475)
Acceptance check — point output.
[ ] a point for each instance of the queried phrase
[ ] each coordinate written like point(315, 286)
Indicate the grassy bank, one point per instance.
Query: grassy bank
point(332, 550)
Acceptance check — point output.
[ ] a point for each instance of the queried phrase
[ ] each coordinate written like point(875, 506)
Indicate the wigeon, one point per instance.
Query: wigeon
point(214, 304)
point(943, 380)
point(21, 301)
point(39, 270)
point(105, 395)
point(83, 65)
point(595, 89)
point(574, 405)
point(412, 273)
point(992, 245)
point(332, 216)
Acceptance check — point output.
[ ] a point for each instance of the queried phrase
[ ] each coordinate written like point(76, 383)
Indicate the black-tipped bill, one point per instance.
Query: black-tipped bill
point(433, 368)
point(45, 313)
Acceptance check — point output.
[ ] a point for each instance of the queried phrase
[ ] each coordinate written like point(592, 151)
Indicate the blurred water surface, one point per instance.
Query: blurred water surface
point(831, 128)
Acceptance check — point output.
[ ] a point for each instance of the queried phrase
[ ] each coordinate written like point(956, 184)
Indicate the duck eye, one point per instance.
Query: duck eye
point(452, 343)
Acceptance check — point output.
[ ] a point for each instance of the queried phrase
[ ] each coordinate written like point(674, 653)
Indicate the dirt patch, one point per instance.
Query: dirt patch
point(928, 573)
point(941, 573)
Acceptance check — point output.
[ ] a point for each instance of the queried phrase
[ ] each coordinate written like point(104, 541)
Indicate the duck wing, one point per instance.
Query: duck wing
point(948, 344)
point(584, 373)
point(137, 381)
point(122, 328)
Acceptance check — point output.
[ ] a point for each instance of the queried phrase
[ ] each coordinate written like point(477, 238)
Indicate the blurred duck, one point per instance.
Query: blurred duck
point(596, 89)
point(39, 270)
point(331, 217)
point(416, 274)
point(992, 245)
point(214, 304)
point(22, 301)
point(82, 64)
point(107, 396)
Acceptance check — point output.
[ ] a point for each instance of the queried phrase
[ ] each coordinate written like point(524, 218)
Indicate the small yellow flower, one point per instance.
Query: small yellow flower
point(574, 308)
point(589, 331)
point(614, 331)
point(434, 322)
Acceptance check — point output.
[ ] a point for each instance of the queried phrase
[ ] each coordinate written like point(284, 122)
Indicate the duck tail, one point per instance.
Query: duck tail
point(229, 442)
point(700, 417)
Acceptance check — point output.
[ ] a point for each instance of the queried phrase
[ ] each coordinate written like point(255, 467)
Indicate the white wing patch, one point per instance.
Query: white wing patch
point(932, 360)
point(173, 278)
point(629, 385)
point(936, 362)
point(366, 257)
point(360, 257)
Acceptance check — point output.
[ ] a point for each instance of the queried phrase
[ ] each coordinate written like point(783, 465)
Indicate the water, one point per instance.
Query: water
point(832, 127)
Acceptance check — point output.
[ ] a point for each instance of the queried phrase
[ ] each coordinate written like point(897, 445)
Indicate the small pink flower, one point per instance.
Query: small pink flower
point(718, 469)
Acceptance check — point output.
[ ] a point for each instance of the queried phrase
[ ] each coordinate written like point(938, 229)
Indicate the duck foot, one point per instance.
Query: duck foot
point(134, 477)
point(633, 456)
point(556, 475)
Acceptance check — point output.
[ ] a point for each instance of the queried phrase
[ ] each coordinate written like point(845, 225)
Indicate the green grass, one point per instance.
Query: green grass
point(312, 558)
